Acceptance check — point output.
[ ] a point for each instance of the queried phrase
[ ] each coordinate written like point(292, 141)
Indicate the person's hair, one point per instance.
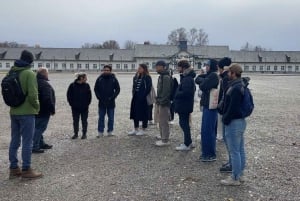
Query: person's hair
point(145, 67)
point(236, 69)
point(79, 76)
point(184, 64)
point(42, 70)
point(107, 66)
point(226, 61)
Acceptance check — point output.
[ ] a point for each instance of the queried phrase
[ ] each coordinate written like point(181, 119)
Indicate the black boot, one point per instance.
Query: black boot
point(75, 136)
point(83, 136)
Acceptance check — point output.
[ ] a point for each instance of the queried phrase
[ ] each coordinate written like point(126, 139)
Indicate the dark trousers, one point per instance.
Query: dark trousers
point(41, 124)
point(208, 132)
point(172, 111)
point(76, 116)
point(150, 116)
point(136, 123)
point(185, 126)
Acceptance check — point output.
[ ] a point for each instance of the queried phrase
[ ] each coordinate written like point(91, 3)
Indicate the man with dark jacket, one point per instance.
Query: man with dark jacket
point(107, 89)
point(79, 96)
point(47, 108)
point(23, 118)
point(206, 83)
point(163, 102)
point(184, 102)
point(235, 124)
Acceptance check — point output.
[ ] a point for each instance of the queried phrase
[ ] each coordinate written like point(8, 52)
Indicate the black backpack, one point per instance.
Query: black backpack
point(12, 92)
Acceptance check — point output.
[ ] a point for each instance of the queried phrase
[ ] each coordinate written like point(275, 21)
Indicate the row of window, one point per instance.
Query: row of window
point(268, 68)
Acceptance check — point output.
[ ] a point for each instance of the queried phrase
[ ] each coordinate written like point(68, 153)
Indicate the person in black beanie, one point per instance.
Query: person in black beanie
point(207, 82)
point(79, 96)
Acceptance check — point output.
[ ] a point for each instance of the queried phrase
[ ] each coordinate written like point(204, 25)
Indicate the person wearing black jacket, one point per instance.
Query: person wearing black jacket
point(47, 108)
point(184, 102)
point(107, 89)
point(235, 124)
point(209, 118)
point(139, 109)
point(79, 97)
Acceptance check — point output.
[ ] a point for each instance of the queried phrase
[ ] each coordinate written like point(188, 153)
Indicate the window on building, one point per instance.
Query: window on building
point(40, 65)
point(297, 68)
point(125, 66)
point(253, 68)
point(132, 66)
point(153, 65)
point(78, 65)
point(268, 68)
point(246, 68)
point(118, 66)
point(47, 65)
point(282, 68)
point(64, 65)
point(87, 66)
point(102, 65)
point(55, 65)
point(71, 66)
point(0, 65)
point(275, 68)
point(261, 68)
point(290, 68)
point(95, 66)
point(7, 65)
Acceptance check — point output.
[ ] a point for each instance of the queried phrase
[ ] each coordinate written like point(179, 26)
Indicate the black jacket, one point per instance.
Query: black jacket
point(139, 106)
point(207, 82)
point(184, 96)
point(107, 88)
point(233, 100)
point(223, 84)
point(79, 96)
point(46, 97)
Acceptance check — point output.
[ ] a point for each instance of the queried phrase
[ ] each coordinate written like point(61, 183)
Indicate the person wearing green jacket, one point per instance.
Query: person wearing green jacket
point(23, 119)
point(163, 102)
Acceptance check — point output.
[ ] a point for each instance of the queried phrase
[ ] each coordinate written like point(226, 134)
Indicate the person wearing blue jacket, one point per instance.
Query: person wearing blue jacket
point(184, 102)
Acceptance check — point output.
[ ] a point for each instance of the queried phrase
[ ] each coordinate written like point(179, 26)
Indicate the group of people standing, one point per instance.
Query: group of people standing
point(29, 120)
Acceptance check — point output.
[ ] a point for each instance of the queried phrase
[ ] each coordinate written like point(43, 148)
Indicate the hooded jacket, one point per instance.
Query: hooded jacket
point(164, 88)
point(46, 96)
point(28, 81)
point(184, 96)
point(79, 96)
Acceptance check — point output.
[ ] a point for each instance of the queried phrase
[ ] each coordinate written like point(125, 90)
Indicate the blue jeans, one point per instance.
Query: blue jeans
point(225, 142)
point(41, 124)
point(185, 126)
point(234, 133)
point(208, 133)
point(110, 124)
point(22, 126)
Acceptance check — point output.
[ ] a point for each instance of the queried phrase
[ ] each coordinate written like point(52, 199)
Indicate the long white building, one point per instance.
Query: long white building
point(78, 59)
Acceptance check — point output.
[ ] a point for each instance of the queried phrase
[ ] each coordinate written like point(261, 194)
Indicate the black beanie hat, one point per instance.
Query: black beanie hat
point(226, 61)
point(212, 63)
point(26, 56)
point(161, 63)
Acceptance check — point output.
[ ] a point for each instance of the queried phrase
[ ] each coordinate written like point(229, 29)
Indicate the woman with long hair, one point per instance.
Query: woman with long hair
point(139, 110)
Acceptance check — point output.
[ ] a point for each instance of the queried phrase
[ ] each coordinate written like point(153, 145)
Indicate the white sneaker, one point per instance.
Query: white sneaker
point(230, 182)
point(243, 179)
point(140, 133)
point(183, 147)
point(110, 134)
point(171, 122)
point(158, 137)
point(132, 132)
point(160, 143)
point(100, 134)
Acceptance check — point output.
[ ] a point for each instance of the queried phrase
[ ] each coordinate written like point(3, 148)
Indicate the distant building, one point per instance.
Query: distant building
point(78, 59)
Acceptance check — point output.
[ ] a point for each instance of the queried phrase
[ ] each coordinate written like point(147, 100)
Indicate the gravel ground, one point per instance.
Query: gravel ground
point(132, 168)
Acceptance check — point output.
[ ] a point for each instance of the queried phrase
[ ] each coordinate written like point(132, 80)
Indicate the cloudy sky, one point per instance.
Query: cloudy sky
point(272, 24)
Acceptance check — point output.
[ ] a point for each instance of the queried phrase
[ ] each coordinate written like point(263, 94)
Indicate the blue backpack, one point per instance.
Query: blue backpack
point(247, 106)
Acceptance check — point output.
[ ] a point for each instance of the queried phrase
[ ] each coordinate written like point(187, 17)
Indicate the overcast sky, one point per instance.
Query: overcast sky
point(272, 24)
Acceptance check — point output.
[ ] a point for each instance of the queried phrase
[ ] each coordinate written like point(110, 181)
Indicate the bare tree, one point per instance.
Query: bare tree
point(110, 44)
point(256, 48)
point(202, 38)
point(12, 44)
point(177, 35)
point(192, 36)
point(130, 45)
point(91, 45)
